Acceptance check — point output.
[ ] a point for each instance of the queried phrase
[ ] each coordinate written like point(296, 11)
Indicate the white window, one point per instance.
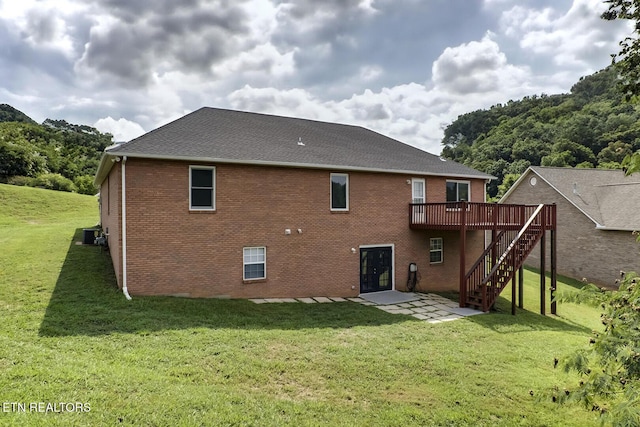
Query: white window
point(339, 192)
point(435, 250)
point(458, 191)
point(254, 263)
point(202, 188)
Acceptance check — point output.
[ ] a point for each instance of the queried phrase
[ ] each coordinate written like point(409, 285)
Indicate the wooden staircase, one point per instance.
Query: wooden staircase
point(501, 260)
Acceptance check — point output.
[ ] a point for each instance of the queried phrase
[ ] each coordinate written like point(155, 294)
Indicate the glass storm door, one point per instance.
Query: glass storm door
point(376, 269)
point(418, 196)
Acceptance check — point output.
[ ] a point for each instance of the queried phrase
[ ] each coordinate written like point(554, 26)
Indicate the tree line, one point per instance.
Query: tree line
point(592, 126)
point(55, 154)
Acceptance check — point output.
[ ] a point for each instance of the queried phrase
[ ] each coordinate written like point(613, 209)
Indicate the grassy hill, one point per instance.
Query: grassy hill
point(68, 335)
point(26, 205)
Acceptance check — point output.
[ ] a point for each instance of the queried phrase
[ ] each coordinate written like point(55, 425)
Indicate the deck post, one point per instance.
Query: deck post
point(521, 287)
point(553, 259)
point(463, 249)
point(494, 237)
point(543, 258)
point(513, 295)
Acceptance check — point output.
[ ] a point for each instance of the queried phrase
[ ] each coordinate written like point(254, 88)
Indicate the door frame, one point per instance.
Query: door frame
point(418, 212)
point(393, 261)
point(424, 190)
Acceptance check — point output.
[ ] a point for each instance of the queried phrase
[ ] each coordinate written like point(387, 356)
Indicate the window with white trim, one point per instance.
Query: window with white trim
point(458, 191)
point(202, 188)
point(436, 252)
point(339, 192)
point(254, 263)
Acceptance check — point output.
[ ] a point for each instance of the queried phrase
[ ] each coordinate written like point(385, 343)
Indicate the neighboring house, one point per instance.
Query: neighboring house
point(224, 203)
point(597, 211)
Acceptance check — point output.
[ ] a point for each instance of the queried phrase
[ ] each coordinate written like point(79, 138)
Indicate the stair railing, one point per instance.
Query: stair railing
point(503, 268)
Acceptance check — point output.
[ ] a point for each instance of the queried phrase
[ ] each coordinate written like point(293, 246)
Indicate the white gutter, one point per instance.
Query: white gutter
point(606, 228)
point(125, 291)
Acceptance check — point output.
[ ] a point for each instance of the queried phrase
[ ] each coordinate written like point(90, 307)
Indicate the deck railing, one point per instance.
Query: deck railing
point(472, 215)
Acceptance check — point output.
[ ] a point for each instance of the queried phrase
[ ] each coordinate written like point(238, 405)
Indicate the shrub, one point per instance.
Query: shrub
point(23, 181)
point(54, 181)
point(84, 185)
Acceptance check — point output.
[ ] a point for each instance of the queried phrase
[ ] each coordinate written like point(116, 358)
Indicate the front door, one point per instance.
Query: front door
point(376, 269)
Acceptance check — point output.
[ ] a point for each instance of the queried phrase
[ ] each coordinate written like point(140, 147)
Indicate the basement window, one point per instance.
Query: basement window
point(254, 263)
point(436, 251)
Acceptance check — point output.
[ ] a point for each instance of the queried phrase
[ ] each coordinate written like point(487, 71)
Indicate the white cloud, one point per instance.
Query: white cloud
point(121, 129)
point(519, 20)
point(366, 62)
point(44, 25)
point(470, 76)
point(497, 3)
point(263, 62)
point(579, 38)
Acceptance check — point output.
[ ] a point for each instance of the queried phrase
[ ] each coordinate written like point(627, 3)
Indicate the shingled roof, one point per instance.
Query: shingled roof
point(227, 136)
point(607, 197)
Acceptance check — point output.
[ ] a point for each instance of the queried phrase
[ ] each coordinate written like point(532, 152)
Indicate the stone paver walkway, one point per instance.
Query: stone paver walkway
point(431, 308)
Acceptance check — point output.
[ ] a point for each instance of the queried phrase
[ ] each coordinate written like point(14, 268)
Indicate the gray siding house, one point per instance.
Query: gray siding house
point(597, 212)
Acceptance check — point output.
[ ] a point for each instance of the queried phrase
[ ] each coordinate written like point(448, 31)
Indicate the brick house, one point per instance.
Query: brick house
point(223, 203)
point(597, 211)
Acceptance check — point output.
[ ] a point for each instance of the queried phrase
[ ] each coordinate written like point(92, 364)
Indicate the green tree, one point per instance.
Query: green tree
point(610, 367)
point(627, 60)
point(631, 164)
point(614, 152)
point(559, 130)
point(507, 182)
point(29, 150)
point(20, 159)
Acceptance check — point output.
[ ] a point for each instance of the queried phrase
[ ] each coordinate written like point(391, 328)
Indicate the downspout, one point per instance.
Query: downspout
point(125, 291)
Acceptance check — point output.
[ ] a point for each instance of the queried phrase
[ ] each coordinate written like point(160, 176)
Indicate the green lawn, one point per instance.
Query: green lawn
point(68, 335)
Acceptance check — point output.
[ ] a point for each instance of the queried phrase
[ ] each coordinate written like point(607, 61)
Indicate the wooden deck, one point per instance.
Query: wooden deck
point(515, 230)
point(476, 216)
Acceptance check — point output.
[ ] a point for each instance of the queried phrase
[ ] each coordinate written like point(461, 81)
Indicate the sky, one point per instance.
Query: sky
point(403, 68)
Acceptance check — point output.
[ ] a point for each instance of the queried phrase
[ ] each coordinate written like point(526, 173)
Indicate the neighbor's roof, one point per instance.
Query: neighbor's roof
point(607, 197)
point(227, 136)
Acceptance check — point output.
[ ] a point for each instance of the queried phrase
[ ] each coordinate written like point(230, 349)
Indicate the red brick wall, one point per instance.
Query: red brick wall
point(174, 251)
point(110, 196)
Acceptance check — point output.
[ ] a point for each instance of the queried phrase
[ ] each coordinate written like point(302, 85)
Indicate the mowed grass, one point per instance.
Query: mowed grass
point(68, 335)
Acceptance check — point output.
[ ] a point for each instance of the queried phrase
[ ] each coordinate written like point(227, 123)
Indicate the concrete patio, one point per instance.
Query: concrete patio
point(429, 307)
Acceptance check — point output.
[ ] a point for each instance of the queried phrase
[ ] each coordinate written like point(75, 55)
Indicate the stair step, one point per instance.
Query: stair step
point(473, 304)
point(504, 262)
